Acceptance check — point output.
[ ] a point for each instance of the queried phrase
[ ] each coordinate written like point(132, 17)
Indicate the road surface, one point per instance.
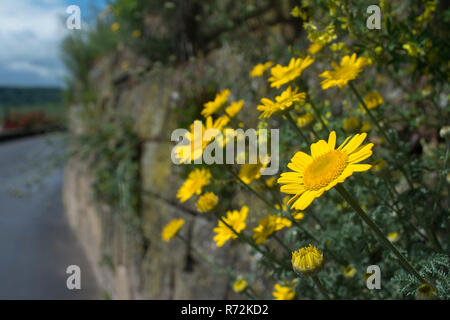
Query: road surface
point(36, 244)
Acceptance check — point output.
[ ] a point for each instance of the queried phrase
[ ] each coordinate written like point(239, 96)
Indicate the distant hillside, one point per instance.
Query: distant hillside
point(10, 97)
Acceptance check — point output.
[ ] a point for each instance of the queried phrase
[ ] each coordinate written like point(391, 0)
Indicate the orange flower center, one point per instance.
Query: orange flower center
point(324, 169)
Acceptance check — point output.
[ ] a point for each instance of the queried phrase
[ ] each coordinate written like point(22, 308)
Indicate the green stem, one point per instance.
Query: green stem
point(380, 131)
point(282, 244)
point(315, 218)
point(318, 115)
point(354, 204)
point(314, 132)
point(248, 295)
point(253, 245)
point(300, 133)
point(369, 113)
point(253, 292)
point(321, 288)
point(250, 188)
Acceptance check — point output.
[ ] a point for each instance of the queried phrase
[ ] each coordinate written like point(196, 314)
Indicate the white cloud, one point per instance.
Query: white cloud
point(30, 35)
point(30, 67)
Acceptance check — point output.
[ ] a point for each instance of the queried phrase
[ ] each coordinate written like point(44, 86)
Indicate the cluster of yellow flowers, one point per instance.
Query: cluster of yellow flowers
point(327, 165)
point(268, 226)
point(310, 177)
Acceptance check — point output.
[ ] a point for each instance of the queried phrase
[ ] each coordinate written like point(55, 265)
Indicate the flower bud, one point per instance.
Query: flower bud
point(307, 260)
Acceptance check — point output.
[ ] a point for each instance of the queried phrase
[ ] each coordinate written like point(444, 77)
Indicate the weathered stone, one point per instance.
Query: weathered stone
point(131, 265)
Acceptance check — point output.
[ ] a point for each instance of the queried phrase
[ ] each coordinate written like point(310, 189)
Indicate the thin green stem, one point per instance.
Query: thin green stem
point(315, 218)
point(300, 133)
point(369, 113)
point(380, 131)
point(248, 295)
point(321, 288)
point(282, 244)
point(253, 292)
point(253, 245)
point(314, 132)
point(319, 116)
point(354, 204)
point(441, 180)
point(250, 188)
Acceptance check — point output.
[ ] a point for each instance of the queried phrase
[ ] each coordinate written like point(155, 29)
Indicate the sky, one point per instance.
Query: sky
point(30, 35)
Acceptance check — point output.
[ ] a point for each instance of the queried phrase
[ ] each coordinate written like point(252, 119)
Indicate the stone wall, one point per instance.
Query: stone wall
point(128, 266)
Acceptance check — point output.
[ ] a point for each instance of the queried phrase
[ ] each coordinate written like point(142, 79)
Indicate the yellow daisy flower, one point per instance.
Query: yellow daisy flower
point(171, 229)
point(236, 220)
point(305, 119)
point(314, 48)
point(352, 124)
point(239, 285)
point(136, 34)
point(393, 237)
point(234, 108)
point(348, 70)
point(284, 74)
point(307, 260)
point(211, 107)
point(197, 179)
point(285, 100)
point(267, 226)
point(326, 167)
point(259, 69)
point(115, 27)
point(206, 202)
point(365, 126)
point(270, 183)
point(349, 272)
point(298, 215)
point(249, 172)
point(373, 100)
point(190, 151)
point(283, 293)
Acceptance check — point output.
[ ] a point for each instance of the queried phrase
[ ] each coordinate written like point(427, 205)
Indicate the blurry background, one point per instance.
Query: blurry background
point(114, 85)
point(36, 242)
point(146, 69)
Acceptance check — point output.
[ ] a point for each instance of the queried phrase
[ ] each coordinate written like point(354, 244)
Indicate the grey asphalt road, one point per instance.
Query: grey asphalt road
point(36, 244)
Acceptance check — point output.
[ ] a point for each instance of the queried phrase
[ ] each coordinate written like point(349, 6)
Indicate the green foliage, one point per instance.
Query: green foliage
point(47, 100)
point(80, 50)
point(29, 96)
point(178, 29)
point(409, 66)
point(435, 268)
point(114, 153)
